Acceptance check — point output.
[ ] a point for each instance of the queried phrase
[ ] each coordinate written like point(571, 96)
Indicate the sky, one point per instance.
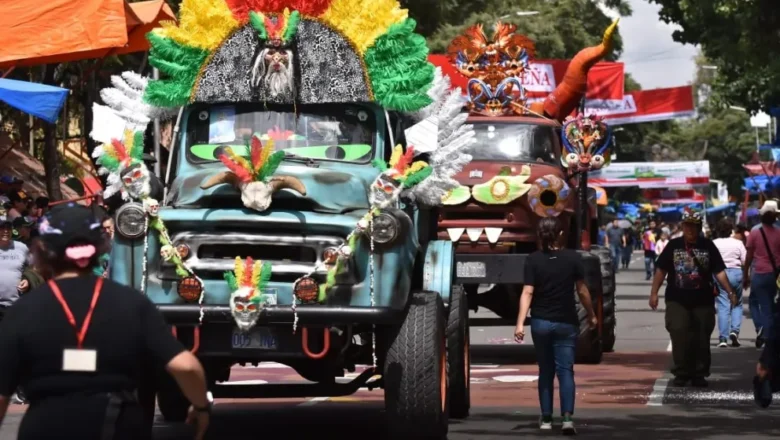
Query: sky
point(650, 55)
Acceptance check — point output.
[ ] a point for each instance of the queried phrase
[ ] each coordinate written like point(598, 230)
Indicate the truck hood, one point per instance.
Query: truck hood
point(327, 190)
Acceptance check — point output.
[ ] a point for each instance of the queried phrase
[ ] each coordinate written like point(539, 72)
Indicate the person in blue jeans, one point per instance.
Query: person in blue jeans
point(616, 241)
point(733, 252)
point(550, 276)
point(763, 255)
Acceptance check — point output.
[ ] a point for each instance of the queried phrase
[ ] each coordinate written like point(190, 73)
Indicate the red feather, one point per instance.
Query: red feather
point(121, 151)
point(248, 267)
point(405, 160)
point(238, 170)
point(257, 152)
point(241, 8)
point(274, 29)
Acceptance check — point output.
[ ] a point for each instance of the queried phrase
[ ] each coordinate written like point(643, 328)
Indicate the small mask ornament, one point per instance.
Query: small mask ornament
point(273, 66)
point(252, 175)
point(587, 140)
point(122, 160)
point(397, 175)
point(247, 282)
point(151, 206)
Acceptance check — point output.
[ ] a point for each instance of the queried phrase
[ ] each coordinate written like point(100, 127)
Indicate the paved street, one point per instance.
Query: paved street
point(625, 397)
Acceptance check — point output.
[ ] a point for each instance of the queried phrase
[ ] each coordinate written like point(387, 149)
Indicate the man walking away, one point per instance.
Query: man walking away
point(648, 244)
point(690, 262)
point(763, 253)
point(615, 242)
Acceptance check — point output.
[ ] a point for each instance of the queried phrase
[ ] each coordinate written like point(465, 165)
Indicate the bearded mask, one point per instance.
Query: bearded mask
point(135, 181)
point(245, 311)
point(273, 65)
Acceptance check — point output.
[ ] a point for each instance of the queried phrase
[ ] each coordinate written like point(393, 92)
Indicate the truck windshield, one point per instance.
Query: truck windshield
point(515, 142)
point(341, 132)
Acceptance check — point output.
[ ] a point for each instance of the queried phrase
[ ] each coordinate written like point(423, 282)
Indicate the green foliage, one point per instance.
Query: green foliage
point(740, 38)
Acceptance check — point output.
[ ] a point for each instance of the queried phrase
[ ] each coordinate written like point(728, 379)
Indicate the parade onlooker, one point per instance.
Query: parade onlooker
point(660, 244)
point(628, 247)
point(690, 263)
point(741, 233)
point(648, 245)
point(733, 252)
point(763, 255)
point(23, 228)
point(13, 261)
point(41, 207)
point(550, 276)
point(81, 378)
point(615, 242)
point(18, 206)
point(601, 240)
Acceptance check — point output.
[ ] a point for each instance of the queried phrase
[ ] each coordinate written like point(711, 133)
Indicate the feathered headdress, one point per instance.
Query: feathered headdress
point(117, 156)
point(276, 29)
point(250, 274)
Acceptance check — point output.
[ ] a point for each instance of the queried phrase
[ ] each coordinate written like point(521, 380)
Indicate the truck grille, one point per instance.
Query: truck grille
point(213, 253)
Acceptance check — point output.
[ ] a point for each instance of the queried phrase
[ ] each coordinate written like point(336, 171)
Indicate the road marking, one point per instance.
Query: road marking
point(492, 370)
point(485, 365)
point(245, 382)
point(656, 398)
point(669, 347)
point(313, 401)
point(514, 379)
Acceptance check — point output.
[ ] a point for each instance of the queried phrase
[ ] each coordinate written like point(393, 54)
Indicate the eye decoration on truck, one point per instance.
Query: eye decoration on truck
point(494, 67)
point(548, 196)
point(247, 283)
point(503, 188)
point(253, 175)
point(587, 140)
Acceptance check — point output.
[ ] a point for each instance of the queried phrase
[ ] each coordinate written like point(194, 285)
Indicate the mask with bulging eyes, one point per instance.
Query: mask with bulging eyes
point(135, 181)
point(384, 189)
point(245, 311)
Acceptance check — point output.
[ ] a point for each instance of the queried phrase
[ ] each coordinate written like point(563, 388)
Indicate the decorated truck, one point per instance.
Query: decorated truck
point(530, 161)
point(313, 144)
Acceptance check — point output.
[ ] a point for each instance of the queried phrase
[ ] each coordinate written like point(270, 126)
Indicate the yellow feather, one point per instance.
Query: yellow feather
point(239, 270)
point(109, 150)
point(398, 151)
point(202, 23)
point(363, 22)
point(238, 159)
point(256, 271)
point(268, 149)
point(129, 138)
point(417, 166)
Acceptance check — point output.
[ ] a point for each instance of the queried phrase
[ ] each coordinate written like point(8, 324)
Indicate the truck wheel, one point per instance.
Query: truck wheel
point(608, 337)
point(589, 347)
point(458, 358)
point(608, 286)
point(415, 373)
point(172, 403)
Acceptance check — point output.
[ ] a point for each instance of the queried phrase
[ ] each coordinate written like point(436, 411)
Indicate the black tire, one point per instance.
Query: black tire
point(172, 403)
point(415, 372)
point(458, 356)
point(609, 290)
point(589, 348)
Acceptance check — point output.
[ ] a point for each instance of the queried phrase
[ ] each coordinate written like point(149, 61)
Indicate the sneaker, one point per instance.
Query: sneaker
point(700, 382)
point(16, 400)
point(760, 338)
point(734, 336)
point(722, 343)
point(679, 381)
point(568, 426)
point(545, 423)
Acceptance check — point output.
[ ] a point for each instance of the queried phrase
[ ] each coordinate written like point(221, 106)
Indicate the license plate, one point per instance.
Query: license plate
point(474, 269)
point(259, 338)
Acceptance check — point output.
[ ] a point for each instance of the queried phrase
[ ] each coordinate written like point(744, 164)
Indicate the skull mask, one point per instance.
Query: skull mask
point(135, 181)
point(152, 207)
point(245, 311)
point(167, 252)
point(384, 190)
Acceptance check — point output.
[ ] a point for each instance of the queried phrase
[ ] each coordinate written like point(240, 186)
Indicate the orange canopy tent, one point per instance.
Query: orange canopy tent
point(35, 33)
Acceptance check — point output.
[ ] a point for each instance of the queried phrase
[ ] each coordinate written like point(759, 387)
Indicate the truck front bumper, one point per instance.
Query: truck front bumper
point(315, 315)
point(489, 268)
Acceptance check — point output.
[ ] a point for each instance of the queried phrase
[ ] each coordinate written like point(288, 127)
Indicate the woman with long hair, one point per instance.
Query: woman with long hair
point(551, 275)
point(79, 344)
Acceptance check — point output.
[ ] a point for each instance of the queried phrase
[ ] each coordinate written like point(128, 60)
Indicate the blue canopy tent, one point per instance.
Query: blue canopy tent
point(720, 209)
point(40, 100)
point(759, 184)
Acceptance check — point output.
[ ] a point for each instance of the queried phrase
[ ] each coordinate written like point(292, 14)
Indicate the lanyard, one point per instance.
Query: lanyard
point(80, 334)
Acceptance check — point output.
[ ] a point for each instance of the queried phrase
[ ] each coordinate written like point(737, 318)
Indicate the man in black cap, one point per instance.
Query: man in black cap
point(23, 229)
point(690, 261)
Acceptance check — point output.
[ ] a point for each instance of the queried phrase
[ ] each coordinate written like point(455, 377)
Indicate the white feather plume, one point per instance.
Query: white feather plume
point(454, 139)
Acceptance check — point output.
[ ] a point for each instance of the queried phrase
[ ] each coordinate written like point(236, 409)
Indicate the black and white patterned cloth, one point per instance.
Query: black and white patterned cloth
point(327, 68)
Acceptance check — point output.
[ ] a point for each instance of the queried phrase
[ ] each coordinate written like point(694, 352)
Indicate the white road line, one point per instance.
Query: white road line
point(485, 365)
point(493, 370)
point(669, 347)
point(314, 401)
point(245, 382)
point(656, 398)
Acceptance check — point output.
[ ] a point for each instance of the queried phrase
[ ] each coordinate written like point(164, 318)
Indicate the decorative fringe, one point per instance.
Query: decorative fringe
point(180, 63)
point(241, 8)
point(398, 66)
point(203, 24)
point(362, 22)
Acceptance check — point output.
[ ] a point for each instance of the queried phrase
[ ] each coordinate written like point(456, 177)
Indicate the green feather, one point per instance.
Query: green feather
point(265, 276)
point(505, 171)
point(323, 294)
point(292, 26)
point(231, 280)
point(259, 24)
point(379, 164)
point(180, 64)
point(415, 178)
point(399, 70)
point(110, 163)
point(137, 152)
point(271, 165)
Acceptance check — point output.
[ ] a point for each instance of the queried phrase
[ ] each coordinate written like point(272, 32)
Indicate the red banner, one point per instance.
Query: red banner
point(646, 106)
point(673, 196)
point(605, 80)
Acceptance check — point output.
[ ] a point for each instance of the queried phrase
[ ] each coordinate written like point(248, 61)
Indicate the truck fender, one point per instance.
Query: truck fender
point(438, 267)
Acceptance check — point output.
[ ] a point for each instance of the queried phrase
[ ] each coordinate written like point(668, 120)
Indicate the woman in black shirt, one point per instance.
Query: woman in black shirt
point(550, 277)
point(78, 344)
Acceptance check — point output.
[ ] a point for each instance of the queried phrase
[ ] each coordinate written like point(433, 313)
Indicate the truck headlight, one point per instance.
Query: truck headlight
point(385, 228)
point(130, 220)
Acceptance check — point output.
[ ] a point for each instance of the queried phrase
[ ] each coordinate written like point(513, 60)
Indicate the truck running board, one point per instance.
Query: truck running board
point(280, 390)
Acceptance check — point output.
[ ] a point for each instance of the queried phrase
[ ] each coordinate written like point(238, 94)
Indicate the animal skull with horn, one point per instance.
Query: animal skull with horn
point(252, 176)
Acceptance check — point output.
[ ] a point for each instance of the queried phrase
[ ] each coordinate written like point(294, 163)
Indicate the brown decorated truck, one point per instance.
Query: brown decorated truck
point(525, 168)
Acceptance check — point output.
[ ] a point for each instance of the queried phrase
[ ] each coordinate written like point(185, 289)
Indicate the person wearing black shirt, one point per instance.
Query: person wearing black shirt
point(79, 344)
point(550, 277)
point(689, 264)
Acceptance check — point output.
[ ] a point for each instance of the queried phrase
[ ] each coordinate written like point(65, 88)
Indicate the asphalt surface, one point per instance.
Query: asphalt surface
point(625, 397)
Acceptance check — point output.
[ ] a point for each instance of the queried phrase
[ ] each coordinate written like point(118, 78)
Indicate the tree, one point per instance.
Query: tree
point(740, 38)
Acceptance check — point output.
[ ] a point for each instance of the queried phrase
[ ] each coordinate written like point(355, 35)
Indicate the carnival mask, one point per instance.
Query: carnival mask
point(587, 140)
point(152, 207)
point(245, 311)
point(167, 252)
point(135, 181)
point(384, 190)
point(273, 67)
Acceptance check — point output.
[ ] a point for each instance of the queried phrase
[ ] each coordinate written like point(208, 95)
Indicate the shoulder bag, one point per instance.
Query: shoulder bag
point(771, 257)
